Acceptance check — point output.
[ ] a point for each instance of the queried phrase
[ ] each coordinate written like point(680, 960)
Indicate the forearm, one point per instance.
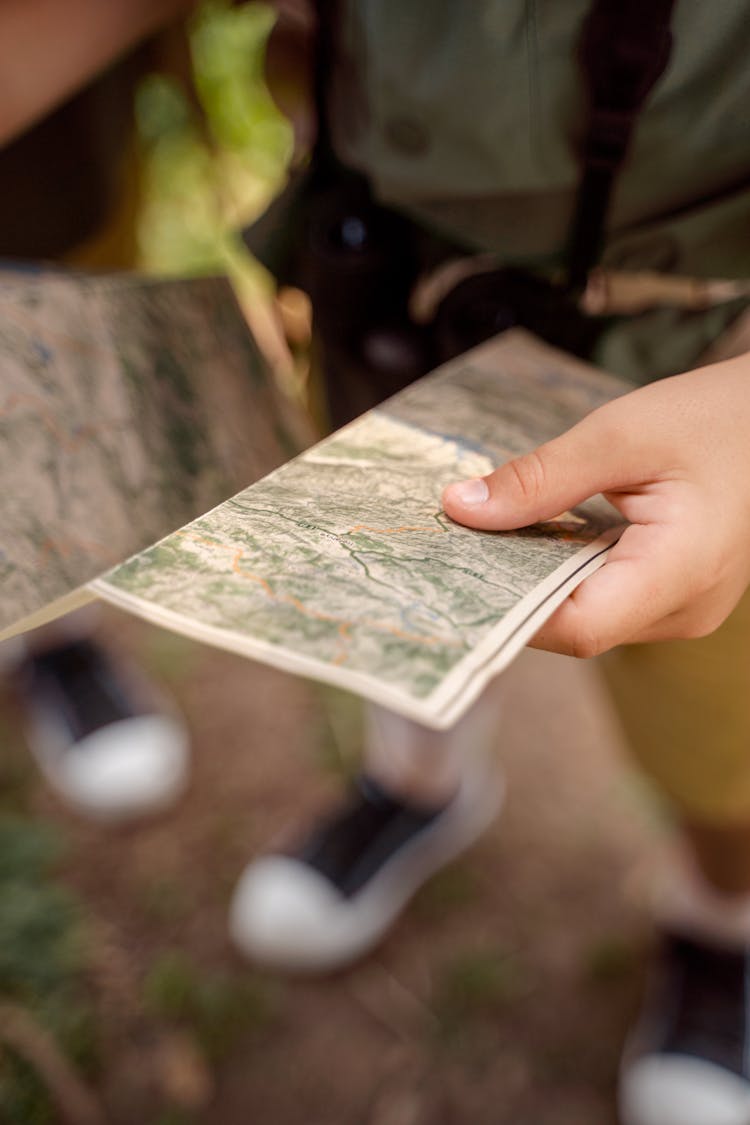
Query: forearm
point(49, 49)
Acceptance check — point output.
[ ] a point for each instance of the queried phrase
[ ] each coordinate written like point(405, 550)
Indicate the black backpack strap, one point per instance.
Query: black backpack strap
point(624, 50)
point(323, 161)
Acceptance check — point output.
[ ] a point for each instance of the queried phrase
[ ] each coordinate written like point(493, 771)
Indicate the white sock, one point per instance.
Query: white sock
point(427, 766)
point(683, 900)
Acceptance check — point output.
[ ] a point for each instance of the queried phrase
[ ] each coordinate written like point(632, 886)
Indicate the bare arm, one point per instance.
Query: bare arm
point(51, 48)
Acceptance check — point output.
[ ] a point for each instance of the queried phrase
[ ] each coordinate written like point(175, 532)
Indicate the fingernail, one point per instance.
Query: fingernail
point(470, 493)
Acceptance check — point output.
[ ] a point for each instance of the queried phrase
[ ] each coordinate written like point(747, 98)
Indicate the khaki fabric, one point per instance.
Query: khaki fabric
point(685, 708)
point(471, 115)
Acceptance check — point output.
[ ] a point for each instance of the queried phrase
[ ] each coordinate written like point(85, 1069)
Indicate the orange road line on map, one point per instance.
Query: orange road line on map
point(69, 443)
point(344, 625)
point(395, 530)
point(344, 638)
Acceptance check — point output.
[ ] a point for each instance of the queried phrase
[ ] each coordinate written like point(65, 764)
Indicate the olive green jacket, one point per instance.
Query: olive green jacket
point(469, 116)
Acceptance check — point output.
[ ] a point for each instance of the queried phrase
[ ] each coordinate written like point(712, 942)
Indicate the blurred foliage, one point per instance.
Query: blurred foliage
point(41, 962)
point(453, 888)
point(476, 984)
point(211, 167)
point(211, 158)
point(27, 850)
point(228, 45)
point(162, 900)
point(168, 656)
point(216, 1006)
point(610, 960)
point(338, 747)
point(16, 771)
point(175, 1116)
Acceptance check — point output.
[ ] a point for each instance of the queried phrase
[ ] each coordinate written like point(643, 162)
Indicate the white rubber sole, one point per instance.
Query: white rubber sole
point(285, 915)
point(681, 1090)
point(131, 768)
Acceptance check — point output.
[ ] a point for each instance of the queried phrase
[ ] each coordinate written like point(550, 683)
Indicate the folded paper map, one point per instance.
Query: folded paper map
point(342, 566)
point(127, 407)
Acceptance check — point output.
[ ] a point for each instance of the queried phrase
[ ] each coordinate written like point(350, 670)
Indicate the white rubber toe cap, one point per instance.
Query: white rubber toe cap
point(287, 915)
point(126, 769)
point(680, 1090)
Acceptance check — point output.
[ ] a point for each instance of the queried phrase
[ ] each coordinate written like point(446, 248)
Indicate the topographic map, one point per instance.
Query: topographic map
point(342, 566)
point(128, 406)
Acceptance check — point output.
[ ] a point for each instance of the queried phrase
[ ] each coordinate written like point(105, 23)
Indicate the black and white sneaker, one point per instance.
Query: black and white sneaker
point(102, 738)
point(331, 902)
point(688, 1061)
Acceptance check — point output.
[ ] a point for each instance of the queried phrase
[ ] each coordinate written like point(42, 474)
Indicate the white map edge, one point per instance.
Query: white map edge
point(518, 627)
point(50, 611)
point(458, 690)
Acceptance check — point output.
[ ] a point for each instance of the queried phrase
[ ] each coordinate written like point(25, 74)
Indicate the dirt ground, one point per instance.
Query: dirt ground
point(502, 997)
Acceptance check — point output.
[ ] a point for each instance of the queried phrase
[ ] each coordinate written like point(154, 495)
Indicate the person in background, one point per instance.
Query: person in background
point(458, 130)
point(451, 132)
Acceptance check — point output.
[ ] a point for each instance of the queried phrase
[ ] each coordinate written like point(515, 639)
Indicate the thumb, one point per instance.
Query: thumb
point(592, 457)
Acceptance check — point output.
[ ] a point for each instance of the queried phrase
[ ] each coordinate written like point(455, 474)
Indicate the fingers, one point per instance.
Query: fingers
point(557, 634)
point(641, 586)
point(673, 459)
point(699, 619)
point(594, 456)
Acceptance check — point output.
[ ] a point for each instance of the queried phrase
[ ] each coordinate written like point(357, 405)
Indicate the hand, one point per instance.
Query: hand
point(674, 459)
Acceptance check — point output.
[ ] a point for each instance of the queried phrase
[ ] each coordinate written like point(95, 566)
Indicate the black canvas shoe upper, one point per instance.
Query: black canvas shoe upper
point(357, 843)
point(698, 1005)
point(79, 684)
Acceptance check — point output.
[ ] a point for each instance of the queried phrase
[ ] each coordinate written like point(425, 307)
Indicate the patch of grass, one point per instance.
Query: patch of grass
point(39, 920)
point(168, 656)
point(39, 946)
point(338, 750)
point(29, 850)
point(175, 1116)
point(475, 985)
point(41, 963)
point(451, 889)
point(17, 772)
point(218, 1007)
point(162, 900)
point(22, 1097)
point(609, 960)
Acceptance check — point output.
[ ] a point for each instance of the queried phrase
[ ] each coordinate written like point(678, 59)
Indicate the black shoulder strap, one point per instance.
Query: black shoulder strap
point(323, 160)
point(624, 50)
